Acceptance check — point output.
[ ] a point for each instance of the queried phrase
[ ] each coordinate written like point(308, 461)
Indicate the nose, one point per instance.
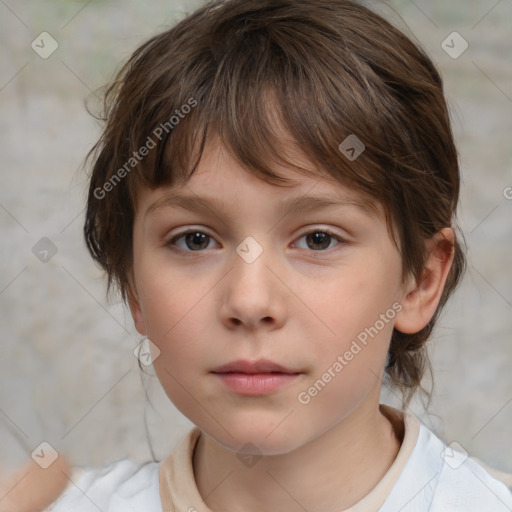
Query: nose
point(252, 295)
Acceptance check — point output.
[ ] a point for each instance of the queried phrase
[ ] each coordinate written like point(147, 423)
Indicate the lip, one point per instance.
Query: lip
point(255, 377)
point(261, 366)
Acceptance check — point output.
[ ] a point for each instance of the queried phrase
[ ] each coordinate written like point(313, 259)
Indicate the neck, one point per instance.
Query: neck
point(365, 443)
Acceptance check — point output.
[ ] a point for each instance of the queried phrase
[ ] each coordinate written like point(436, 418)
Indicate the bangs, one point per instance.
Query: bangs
point(255, 90)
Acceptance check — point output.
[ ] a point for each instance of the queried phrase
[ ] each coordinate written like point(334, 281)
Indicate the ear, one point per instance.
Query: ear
point(135, 309)
point(421, 297)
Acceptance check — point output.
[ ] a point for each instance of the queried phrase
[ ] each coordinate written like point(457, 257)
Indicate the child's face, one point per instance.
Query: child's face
point(301, 303)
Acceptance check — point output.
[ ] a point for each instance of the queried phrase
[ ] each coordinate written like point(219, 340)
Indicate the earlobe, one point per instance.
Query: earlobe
point(421, 297)
point(135, 309)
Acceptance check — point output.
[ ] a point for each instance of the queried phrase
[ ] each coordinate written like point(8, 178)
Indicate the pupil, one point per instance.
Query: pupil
point(320, 238)
point(196, 238)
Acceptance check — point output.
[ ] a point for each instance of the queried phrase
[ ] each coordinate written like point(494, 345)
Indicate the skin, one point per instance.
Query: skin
point(298, 305)
point(33, 488)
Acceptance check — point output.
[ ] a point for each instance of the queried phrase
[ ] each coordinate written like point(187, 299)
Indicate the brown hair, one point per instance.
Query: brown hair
point(332, 68)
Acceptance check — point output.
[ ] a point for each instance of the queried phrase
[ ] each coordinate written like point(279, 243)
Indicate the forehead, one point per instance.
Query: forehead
point(220, 180)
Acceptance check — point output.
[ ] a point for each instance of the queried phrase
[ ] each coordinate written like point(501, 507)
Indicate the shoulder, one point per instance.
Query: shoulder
point(441, 478)
point(465, 485)
point(119, 487)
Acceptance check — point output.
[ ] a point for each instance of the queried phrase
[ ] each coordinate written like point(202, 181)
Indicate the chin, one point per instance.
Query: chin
point(258, 437)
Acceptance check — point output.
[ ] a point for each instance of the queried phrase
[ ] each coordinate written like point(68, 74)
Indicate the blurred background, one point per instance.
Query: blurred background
point(68, 374)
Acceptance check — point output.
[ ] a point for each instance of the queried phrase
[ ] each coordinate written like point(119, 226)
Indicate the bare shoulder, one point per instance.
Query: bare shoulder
point(33, 488)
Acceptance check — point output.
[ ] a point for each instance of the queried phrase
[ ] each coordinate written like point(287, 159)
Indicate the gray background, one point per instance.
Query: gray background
point(67, 372)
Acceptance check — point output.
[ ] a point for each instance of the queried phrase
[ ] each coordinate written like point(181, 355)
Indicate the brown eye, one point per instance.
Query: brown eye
point(319, 240)
point(192, 241)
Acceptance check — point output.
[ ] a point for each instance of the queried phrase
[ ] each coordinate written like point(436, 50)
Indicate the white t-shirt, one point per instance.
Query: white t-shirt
point(426, 476)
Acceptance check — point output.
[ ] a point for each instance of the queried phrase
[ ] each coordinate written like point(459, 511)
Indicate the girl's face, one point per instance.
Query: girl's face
point(314, 289)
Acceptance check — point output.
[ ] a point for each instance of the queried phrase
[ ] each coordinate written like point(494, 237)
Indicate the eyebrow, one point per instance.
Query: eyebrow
point(287, 206)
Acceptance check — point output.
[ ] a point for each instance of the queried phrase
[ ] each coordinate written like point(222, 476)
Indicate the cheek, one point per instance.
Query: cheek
point(177, 324)
point(356, 314)
point(165, 297)
point(187, 350)
point(354, 299)
point(350, 357)
point(177, 314)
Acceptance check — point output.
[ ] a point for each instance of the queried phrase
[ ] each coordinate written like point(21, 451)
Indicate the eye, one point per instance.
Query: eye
point(193, 241)
point(319, 239)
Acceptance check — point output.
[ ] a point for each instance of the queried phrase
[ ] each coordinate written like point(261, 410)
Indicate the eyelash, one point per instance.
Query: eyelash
point(171, 242)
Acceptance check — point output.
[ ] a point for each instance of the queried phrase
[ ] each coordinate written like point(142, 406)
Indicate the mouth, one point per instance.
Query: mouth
point(262, 366)
point(255, 378)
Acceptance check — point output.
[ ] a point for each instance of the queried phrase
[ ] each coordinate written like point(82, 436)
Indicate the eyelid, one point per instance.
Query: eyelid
point(322, 229)
point(192, 229)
